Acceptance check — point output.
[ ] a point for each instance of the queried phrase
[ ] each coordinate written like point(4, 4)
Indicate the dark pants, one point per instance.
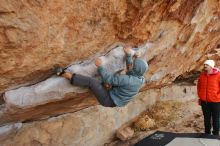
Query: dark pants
point(96, 87)
point(211, 110)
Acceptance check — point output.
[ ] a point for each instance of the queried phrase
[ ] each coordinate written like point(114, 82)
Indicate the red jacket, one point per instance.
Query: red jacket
point(208, 87)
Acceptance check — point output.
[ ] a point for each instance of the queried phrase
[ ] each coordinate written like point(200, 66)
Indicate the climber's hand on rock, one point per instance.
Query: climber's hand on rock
point(127, 49)
point(98, 62)
point(137, 54)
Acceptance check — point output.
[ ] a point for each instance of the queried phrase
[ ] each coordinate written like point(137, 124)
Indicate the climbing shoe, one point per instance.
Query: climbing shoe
point(59, 71)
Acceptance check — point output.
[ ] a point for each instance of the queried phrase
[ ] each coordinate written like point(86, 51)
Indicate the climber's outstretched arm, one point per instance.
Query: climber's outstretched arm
point(129, 61)
point(109, 78)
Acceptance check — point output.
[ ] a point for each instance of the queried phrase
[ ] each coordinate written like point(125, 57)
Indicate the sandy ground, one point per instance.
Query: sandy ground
point(170, 116)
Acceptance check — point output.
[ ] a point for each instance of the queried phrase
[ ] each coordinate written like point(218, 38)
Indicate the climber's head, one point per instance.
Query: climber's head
point(139, 67)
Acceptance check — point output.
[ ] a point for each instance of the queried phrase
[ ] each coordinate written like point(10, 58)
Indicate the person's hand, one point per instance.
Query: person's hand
point(107, 86)
point(137, 54)
point(127, 50)
point(98, 62)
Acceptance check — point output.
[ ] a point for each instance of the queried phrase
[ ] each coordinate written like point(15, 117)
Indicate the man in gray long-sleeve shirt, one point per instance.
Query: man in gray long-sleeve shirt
point(124, 87)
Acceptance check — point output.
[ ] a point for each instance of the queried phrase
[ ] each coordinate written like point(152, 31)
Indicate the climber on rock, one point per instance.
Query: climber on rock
point(122, 87)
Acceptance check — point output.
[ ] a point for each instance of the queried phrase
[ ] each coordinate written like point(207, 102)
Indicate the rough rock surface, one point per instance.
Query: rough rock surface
point(184, 117)
point(93, 126)
point(35, 35)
